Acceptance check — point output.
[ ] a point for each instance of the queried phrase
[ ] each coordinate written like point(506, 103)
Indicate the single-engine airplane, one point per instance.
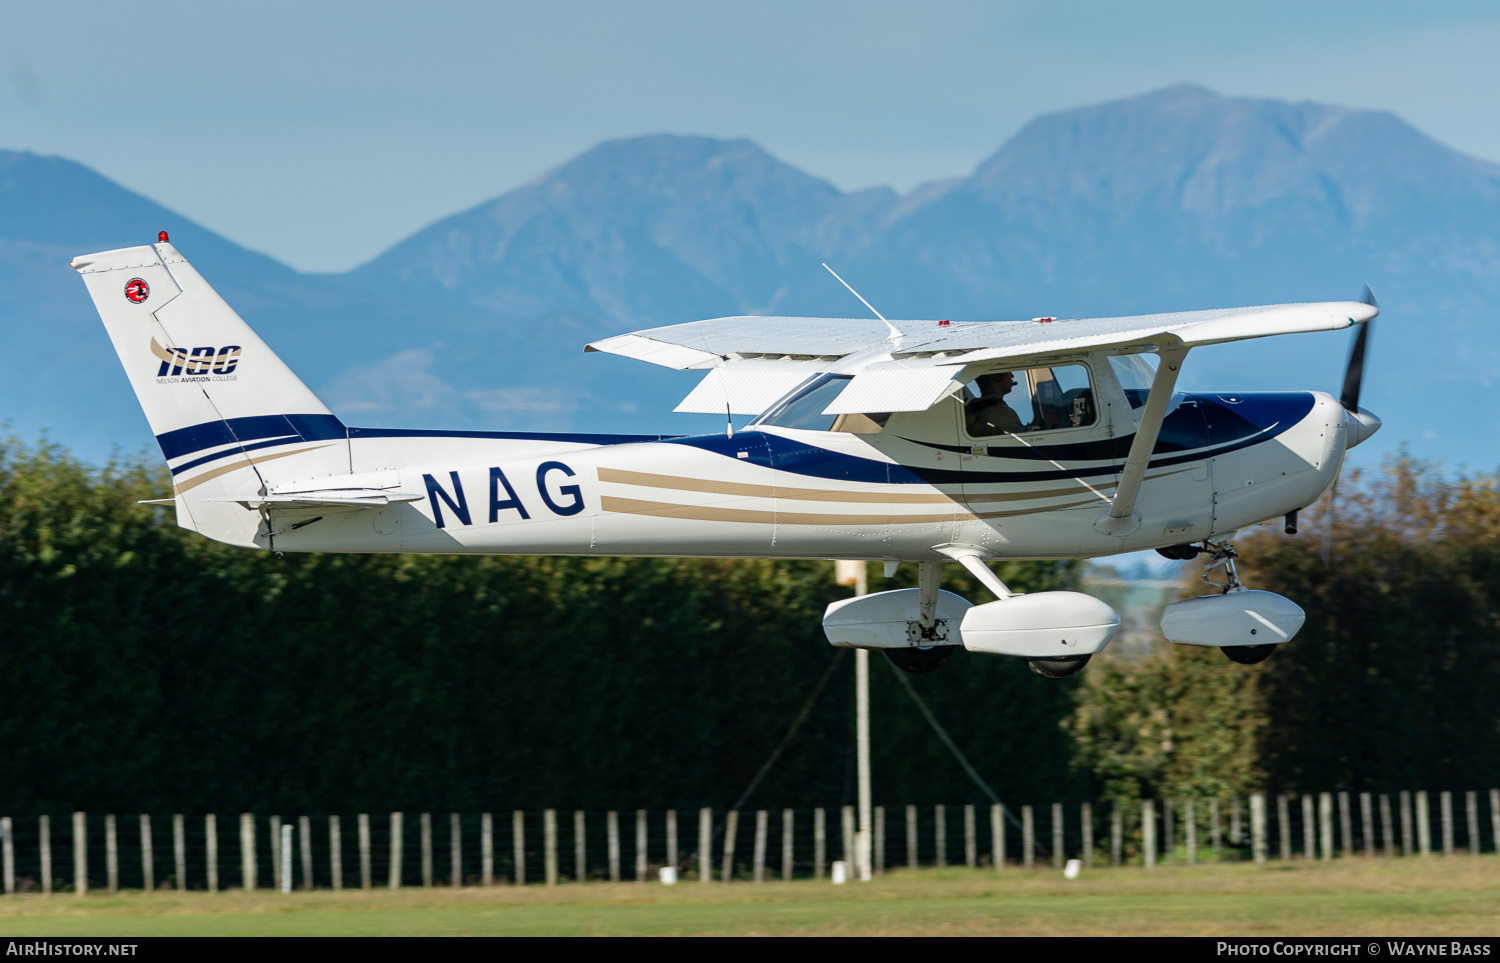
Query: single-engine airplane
point(892, 441)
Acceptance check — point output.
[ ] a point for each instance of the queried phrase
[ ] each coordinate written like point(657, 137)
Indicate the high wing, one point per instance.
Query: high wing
point(755, 360)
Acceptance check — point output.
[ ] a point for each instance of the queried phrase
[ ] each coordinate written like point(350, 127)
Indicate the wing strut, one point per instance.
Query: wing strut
point(1121, 519)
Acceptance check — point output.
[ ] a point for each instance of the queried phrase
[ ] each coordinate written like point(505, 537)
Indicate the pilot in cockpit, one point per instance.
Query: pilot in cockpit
point(989, 414)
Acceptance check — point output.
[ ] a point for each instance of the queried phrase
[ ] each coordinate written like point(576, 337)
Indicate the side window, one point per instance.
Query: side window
point(1135, 372)
point(1029, 399)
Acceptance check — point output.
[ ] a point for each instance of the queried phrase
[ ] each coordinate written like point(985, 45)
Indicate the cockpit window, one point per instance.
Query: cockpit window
point(1134, 372)
point(1029, 399)
point(804, 409)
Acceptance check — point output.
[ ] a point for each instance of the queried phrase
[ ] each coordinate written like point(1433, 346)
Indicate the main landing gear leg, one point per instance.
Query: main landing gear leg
point(927, 652)
point(1222, 554)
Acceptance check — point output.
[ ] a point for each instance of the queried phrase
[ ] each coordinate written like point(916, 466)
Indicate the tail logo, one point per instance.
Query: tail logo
point(196, 364)
point(137, 290)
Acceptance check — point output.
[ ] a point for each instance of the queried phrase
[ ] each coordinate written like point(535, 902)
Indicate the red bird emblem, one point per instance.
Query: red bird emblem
point(137, 290)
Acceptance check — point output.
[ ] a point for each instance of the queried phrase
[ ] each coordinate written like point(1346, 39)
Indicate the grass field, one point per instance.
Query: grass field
point(1458, 896)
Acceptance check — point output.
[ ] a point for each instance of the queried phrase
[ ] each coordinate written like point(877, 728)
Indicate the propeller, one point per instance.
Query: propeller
point(1354, 374)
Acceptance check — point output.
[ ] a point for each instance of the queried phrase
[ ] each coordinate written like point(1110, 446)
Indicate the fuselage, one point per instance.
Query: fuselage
point(1223, 461)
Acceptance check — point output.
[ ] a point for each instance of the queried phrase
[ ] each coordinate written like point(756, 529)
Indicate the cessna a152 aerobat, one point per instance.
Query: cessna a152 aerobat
point(896, 441)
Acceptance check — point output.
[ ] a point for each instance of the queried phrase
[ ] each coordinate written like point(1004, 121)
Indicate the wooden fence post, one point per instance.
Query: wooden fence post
point(1116, 834)
point(1057, 835)
point(366, 853)
point(424, 823)
point(846, 840)
point(911, 838)
point(671, 837)
point(705, 844)
point(111, 854)
point(1284, 825)
point(1325, 824)
point(787, 817)
point(1148, 832)
point(1471, 820)
point(455, 850)
point(487, 849)
point(997, 835)
point(1258, 827)
point(1346, 825)
point(1366, 824)
point(580, 846)
point(1028, 837)
point(398, 834)
point(335, 853)
point(1215, 827)
point(940, 834)
point(612, 841)
point(275, 822)
point(1309, 828)
point(1235, 835)
point(1086, 820)
point(1387, 826)
point(1424, 825)
point(1190, 830)
point(148, 858)
point(1445, 820)
point(971, 843)
point(758, 864)
point(518, 846)
point(247, 851)
point(45, 828)
point(731, 834)
point(211, 850)
point(641, 849)
point(1168, 830)
point(878, 843)
point(1407, 829)
point(80, 854)
point(820, 842)
point(179, 851)
point(549, 846)
point(1495, 819)
point(8, 855)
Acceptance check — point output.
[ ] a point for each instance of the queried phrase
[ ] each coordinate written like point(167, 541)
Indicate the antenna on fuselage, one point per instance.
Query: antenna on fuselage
point(894, 332)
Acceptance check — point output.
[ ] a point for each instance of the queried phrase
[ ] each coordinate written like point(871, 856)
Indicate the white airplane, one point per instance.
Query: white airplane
point(871, 441)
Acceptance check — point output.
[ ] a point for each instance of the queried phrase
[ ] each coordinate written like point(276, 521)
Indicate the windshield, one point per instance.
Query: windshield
point(1134, 372)
point(803, 408)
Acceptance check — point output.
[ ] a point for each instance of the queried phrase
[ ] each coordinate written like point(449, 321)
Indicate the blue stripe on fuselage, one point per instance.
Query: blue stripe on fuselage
point(1202, 426)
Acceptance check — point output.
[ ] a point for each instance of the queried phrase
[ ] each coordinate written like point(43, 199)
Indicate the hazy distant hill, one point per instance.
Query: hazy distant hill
point(1172, 200)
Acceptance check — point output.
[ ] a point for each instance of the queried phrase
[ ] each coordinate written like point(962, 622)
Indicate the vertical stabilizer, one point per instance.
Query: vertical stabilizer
point(230, 416)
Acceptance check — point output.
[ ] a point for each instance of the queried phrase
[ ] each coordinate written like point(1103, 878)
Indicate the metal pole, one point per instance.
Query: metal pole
point(856, 572)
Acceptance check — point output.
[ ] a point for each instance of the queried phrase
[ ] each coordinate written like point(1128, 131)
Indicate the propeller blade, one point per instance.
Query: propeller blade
point(1355, 372)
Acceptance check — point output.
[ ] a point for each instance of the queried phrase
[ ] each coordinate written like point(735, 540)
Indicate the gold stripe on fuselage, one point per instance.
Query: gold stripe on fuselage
point(710, 513)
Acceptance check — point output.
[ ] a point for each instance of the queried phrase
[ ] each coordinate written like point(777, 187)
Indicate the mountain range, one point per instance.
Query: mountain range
point(1173, 200)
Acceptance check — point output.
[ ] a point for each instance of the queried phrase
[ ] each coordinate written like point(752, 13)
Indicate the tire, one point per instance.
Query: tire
point(917, 660)
point(1059, 668)
point(1249, 654)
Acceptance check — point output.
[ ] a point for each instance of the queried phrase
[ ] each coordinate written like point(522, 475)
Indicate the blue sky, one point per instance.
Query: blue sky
point(321, 133)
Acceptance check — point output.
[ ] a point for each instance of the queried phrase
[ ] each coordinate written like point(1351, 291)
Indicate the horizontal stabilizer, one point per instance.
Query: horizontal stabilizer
point(343, 498)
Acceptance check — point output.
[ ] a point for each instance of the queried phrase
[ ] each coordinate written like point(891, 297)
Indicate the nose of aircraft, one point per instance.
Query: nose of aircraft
point(1361, 425)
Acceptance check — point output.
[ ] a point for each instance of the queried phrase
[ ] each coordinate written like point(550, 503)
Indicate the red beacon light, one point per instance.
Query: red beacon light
point(1044, 320)
point(161, 237)
point(944, 324)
